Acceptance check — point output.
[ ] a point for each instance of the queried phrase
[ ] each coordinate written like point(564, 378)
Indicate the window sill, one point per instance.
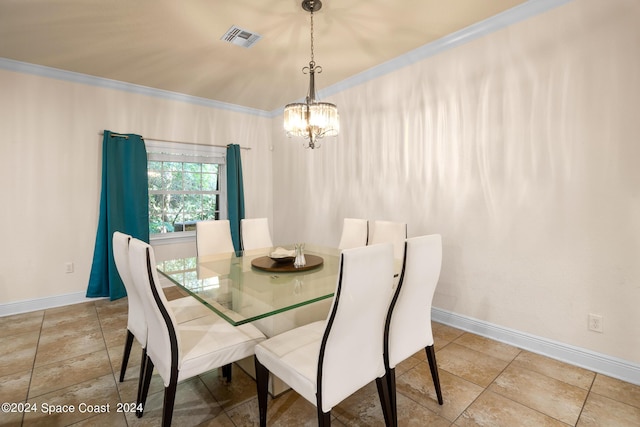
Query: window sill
point(172, 238)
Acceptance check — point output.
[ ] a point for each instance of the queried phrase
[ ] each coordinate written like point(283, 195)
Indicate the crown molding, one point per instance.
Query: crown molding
point(71, 76)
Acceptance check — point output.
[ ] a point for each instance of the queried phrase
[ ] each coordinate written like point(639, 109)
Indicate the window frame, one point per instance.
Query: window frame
point(190, 153)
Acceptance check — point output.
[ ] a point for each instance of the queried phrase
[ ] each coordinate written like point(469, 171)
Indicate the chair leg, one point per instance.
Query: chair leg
point(324, 418)
point(431, 356)
point(385, 402)
point(226, 372)
point(125, 357)
point(143, 367)
point(148, 372)
point(391, 387)
point(262, 383)
point(169, 401)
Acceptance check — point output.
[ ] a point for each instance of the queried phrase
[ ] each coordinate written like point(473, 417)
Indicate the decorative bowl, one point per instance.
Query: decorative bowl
point(282, 259)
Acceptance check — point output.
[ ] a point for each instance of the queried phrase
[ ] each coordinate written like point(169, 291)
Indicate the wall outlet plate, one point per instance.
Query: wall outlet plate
point(595, 323)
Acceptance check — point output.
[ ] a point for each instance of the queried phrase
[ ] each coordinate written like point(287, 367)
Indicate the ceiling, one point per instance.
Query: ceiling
point(176, 46)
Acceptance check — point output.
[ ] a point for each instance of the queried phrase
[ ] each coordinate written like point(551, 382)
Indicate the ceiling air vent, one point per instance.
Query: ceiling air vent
point(240, 37)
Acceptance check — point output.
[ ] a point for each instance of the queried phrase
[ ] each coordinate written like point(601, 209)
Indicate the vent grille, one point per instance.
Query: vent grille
point(240, 37)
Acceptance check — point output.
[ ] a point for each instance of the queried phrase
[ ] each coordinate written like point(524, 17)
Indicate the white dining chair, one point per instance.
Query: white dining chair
point(185, 309)
point(254, 233)
point(213, 237)
point(355, 232)
point(328, 360)
point(181, 351)
point(389, 232)
point(408, 324)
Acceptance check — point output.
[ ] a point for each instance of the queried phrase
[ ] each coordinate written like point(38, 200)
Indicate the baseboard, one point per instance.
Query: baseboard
point(44, 303)
point(597, 362)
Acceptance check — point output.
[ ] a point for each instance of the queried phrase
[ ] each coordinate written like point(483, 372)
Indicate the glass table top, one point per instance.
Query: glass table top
point(230, 286)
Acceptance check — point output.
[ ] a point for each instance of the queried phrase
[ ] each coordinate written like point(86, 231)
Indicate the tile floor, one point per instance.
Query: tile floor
point(71, 356)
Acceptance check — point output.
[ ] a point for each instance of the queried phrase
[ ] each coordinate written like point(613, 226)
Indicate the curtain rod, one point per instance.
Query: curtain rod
point(176, 142)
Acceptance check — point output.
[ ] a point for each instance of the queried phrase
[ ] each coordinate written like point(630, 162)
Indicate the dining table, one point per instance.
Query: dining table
point(250, 287)
point(245, 287)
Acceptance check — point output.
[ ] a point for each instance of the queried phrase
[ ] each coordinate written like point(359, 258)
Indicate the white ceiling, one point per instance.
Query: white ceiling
point(176, 46)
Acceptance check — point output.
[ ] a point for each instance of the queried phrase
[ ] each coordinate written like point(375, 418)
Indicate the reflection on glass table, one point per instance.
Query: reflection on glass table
point(241, 293)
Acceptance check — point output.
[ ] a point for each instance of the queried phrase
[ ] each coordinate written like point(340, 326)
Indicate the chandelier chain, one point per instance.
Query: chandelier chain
point(312, 60)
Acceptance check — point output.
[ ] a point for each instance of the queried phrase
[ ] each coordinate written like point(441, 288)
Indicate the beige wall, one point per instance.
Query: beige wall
point(50, 167)
point(522, 149)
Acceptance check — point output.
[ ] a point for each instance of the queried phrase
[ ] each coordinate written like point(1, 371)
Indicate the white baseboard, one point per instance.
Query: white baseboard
point(596, 362)
point(44, 303)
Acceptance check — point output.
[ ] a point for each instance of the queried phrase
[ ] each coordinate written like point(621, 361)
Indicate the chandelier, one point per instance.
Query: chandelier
point(311, 119)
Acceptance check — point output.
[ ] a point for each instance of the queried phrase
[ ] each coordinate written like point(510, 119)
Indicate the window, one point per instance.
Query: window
point(186, 185)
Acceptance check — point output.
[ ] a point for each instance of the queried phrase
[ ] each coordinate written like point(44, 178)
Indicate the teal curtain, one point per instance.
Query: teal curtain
point(235, 192)
point(124, 206)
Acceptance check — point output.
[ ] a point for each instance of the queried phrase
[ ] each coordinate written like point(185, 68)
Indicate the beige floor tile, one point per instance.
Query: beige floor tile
point(194, 405)
point(600, 411)
point(55, 348)
point(554, 398)
point(489, 347)
point(15, 387)
point(114, 321)
point(469, 364)
point(128, 389)
point(288, 409)
point(411, 363)
point(21, 323)
point(617, 390)
point(17, 352)
point(116, 337)
point(493, 410)
point(116, 353)
point(70, 314)
point(242, 387)
point(62, 374)
point(62, 327)
point(113, 308)
point(443, 334)
point(99, 391)
point(12, 419)
point(221, 420)
point(457, 393)
point(362, 408)
point(111, 419)
point(555, 369)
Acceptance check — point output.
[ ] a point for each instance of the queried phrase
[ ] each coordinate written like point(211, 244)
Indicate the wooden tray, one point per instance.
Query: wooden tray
point(267, 264)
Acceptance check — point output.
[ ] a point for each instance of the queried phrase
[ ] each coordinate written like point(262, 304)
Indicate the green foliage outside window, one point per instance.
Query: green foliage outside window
point(181, 193)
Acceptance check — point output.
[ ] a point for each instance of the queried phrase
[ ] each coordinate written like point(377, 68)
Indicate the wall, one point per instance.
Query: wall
point(51, 163)
point(521, 149)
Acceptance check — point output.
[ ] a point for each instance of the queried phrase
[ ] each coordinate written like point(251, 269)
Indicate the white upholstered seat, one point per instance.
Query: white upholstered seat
point(408, 327)
point(213, 237)
point(389, 232)
point(255, 233)
point(354, 233)
point(181, 351)
point(328, 360)
point(184, 309)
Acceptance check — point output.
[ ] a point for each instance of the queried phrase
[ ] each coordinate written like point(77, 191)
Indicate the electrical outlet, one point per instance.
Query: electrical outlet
point(68, 267)
point(595, 323)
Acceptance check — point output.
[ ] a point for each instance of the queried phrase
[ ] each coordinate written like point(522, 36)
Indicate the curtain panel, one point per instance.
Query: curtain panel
point(124, 207)
point(235, 193)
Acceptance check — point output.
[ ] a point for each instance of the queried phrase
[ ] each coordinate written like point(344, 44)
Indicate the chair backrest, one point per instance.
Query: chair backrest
point(352, 345)
point(213, 237)
point(255, 233)
point(409, 318)
point(136, 322)
point(389, 232)
point(162, 339)
point(354, 233)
